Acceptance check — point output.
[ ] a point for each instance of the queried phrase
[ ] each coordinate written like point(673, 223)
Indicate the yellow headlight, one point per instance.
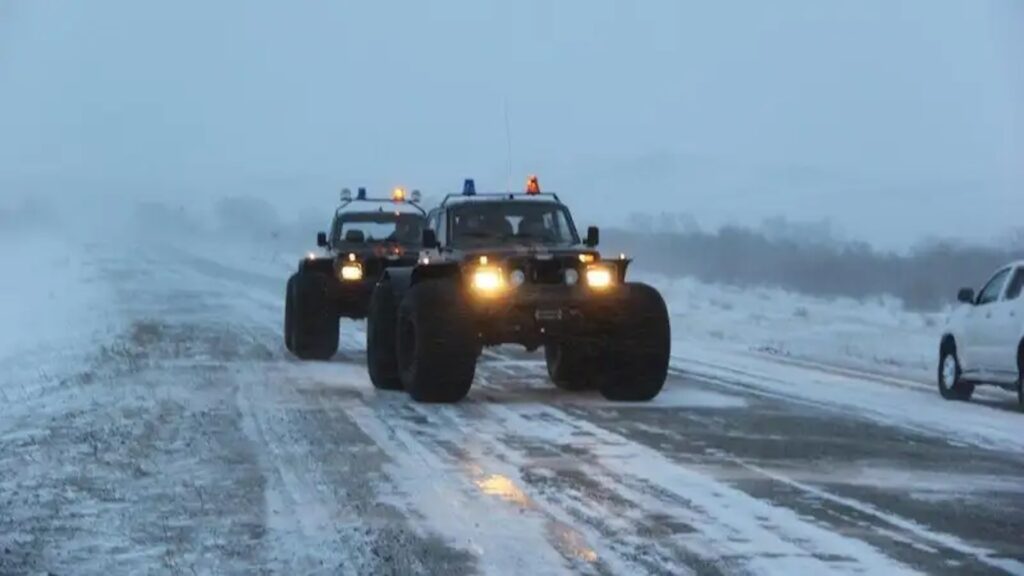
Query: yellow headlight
point(351, 272)
point(488, 280)
point(600, 277)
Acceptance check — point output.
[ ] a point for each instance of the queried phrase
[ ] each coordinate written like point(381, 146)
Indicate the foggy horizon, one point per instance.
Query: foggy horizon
point(894, 123)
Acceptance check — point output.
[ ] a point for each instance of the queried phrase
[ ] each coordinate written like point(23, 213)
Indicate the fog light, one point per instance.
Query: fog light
point(572, 277)
point(351, 272)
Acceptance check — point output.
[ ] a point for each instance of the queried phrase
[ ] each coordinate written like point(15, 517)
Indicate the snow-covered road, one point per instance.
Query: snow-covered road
point(169, 432)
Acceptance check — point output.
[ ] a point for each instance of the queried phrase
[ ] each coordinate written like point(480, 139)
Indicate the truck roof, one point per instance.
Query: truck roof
point(453, 199)
point(372, 205)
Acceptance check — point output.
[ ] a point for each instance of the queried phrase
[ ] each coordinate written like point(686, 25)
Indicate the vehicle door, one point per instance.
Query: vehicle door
point(1006, 325)
point(978, 356)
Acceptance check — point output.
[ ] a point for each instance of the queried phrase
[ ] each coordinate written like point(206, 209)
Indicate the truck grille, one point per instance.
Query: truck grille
point(541, 271)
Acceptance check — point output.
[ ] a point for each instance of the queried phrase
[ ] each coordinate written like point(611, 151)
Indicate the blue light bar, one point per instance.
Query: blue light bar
point(361, 193)
point(469, 187)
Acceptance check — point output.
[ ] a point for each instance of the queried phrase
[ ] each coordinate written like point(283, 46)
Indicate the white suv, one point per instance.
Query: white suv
point(983, 341)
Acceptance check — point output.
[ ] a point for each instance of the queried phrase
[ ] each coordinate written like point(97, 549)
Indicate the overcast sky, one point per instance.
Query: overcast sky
point(895, 119)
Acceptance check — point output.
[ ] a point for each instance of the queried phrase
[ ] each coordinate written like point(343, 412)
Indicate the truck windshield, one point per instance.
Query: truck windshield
point(375, 227)
point(544, 223)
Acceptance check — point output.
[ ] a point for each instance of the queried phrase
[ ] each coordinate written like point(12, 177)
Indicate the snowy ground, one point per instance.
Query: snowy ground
point(151, 423)
point(876, 336)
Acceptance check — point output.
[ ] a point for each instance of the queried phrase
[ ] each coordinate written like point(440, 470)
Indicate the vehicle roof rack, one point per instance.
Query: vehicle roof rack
point(347, 200)
point(501, 196)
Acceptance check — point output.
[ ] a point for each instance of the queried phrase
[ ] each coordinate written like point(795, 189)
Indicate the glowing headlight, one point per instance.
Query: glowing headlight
point(572, 277)
point(600, 277)
point(517, 278)
point(351, 272)
point(488, 280)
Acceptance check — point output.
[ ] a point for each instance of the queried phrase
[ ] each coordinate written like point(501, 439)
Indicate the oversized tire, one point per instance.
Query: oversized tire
point(634, 364)
point(382, 338)
point(311, 322)
point(289, 315)
point(952, 386)
point(571, 365)
point(437, 344)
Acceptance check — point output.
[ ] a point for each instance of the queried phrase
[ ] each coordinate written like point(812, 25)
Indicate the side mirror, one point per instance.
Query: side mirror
point(966, 295)
point(355, 236)
point(593, 237)
point(321, 239)
point(429, 239)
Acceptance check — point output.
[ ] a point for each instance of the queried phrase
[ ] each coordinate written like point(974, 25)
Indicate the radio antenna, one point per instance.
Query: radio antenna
point(508, 147)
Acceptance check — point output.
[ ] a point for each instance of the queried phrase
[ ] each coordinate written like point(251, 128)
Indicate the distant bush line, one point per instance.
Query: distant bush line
point(802, 257)
point(926, 278)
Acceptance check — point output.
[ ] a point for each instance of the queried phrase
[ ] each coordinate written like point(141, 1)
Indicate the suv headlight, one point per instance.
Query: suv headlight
point(351, 272)
point(600, 277)
point(488, 280)
point(572, 277)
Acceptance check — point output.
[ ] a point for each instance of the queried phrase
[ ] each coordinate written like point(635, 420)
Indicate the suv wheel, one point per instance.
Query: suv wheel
point(952, 386)
point(289, 315)
point(1020, 377)
point(570, 366)
point(636, 356)
point(437, 347)
point(381, 338)
point(311, 323)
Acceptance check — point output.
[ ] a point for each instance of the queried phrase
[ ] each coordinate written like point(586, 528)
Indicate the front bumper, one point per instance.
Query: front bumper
point(533, 314)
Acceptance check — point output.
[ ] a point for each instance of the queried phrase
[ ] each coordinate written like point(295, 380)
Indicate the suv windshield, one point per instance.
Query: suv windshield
point(405, 228)
point(512, 222)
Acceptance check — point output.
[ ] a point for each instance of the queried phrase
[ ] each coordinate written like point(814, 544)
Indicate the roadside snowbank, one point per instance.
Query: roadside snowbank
point(876, 336)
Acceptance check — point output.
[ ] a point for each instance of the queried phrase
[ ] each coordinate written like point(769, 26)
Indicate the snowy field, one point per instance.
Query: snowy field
point(152, 423)
point(875, 336)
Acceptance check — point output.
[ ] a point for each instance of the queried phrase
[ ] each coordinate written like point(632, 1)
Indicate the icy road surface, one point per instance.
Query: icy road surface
point(150, 422)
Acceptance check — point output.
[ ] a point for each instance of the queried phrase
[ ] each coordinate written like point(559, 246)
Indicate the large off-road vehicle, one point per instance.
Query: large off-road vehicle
point(511, 268)
point(367, 236)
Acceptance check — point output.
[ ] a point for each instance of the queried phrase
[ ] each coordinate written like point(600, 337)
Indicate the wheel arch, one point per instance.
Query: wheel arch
point(321, 265)
point(948, 342)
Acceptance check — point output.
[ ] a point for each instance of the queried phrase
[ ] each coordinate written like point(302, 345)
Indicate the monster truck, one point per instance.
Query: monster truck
point(368, 235)
point(512, 269)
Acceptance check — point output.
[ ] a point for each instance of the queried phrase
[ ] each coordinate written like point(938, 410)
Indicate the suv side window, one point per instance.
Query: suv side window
point(1016, 284)
point(990, 293)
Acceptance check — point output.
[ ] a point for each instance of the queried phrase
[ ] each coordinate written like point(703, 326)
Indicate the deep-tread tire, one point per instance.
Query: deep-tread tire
point(634, 365)
point(571, 365)
point(959, 389)
point(312, 319)
point(289, 315)
point(382, 338)
point(437, 344)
